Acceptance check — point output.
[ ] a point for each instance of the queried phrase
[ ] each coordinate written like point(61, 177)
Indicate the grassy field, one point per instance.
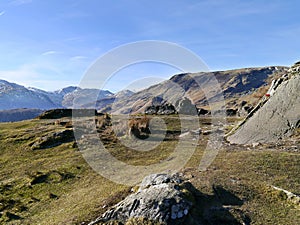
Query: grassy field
point(55, 185)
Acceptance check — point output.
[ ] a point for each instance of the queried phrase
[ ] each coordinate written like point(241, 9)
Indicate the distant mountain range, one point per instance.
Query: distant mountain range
point(240, 85)
point(14, 96)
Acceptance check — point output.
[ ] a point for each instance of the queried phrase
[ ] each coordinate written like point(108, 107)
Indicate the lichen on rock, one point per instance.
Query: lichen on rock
point(160, 198)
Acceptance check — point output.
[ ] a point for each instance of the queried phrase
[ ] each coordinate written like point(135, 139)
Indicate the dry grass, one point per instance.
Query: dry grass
point(57, 186)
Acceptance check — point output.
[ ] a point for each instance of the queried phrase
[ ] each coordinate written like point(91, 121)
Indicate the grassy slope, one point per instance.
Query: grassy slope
point(80, 191)
point(68, 191)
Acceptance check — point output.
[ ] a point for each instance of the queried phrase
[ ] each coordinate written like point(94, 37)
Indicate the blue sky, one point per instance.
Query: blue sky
point(50, 44)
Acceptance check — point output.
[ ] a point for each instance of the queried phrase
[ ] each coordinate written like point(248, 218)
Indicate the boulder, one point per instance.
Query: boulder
point(185, 106)
point(160, 198)
point(164, 199)
point(157, 101)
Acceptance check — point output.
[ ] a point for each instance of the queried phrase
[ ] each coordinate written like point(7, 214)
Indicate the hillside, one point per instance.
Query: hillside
point(45, 180)
point(247, 85)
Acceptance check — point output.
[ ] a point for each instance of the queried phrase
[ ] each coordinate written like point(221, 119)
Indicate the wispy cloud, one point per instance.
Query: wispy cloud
point(50, 53)
point(2, 13)
point(77, 58)
point(20, 2)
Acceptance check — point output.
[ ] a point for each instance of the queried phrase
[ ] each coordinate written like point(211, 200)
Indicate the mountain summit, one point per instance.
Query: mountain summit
point(14, 96)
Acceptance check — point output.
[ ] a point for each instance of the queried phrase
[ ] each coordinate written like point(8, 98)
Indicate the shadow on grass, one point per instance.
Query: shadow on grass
point(221, 208)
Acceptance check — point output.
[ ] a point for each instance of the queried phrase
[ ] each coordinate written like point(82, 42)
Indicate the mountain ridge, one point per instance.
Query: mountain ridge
point(15, 96)
point(236, 83)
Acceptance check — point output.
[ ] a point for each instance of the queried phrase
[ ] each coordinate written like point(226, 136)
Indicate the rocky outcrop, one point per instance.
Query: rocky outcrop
point(163, 199)
point(53, 139)
point(181, 106)
point(160, 197)
point(165, 109)
point(277, 114)
point(60, 113)
point(56, 114)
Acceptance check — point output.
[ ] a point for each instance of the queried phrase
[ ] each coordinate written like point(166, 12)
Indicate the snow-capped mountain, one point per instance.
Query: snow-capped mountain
point(65, 90)
point(14, 96)
point(81, 97)
point(55, 97)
